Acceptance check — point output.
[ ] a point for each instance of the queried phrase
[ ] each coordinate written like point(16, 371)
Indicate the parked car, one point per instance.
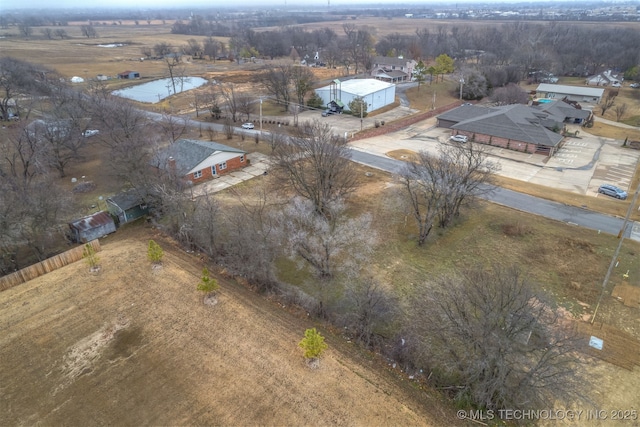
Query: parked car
point(247, 126)
point(635, 85)
point(458, 138)
point(616, 84)
point(90, 132)
point(613, 191)
point(327, 112)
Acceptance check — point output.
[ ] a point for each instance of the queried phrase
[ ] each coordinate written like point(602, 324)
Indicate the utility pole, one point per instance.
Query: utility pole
point(361, 112)
point(260, 116)
point(615, 255)
point(461, 84)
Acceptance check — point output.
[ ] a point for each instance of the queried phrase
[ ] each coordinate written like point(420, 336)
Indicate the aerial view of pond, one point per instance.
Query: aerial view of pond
point(158, 90)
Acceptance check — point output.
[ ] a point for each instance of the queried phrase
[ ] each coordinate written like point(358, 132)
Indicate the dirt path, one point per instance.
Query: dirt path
point(136, 346)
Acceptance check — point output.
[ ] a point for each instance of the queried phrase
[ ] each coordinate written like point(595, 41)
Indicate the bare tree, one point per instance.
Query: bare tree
point(302, 80)
point(492, 341)
point(438, 186)
point(246, 105)
point(20, 82)
point(509, 94)
point(252, 247)
point(212, 48)
point(328, 245)
point(608, 101)
point(47, 33)
point(316, 165)
point(368, 310)
point(230, 97)
point(23, 157)
point(277, 82)
point(620, 110)
point(174, 127)
point(61, 33)
point(89, 31)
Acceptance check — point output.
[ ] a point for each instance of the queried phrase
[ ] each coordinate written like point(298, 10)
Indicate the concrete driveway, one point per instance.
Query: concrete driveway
point(580, 166)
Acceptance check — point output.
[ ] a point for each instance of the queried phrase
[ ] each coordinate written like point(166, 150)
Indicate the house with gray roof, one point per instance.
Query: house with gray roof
point(392, 69)
point(198, 161)
point(530, 129)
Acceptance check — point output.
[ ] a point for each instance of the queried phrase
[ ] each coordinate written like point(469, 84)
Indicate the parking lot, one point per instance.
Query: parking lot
point(580, 166)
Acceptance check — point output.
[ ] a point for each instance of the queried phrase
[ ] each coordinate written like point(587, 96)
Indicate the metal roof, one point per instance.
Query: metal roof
point(570, 90)
point(90, 222)
point(361, 87)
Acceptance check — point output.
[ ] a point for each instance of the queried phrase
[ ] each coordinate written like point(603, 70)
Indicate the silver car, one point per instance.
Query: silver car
point(613, 191)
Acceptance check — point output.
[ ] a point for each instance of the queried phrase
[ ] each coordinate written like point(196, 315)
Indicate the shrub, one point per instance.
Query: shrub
point(154, 252)
point(313, 344)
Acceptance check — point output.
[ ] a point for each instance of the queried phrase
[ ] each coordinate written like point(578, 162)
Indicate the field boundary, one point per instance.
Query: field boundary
point(44, 267)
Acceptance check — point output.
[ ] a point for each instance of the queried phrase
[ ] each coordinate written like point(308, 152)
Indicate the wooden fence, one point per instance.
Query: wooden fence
point(44, 267)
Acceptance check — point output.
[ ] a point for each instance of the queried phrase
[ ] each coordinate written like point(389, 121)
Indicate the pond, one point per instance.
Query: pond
point(158, 90)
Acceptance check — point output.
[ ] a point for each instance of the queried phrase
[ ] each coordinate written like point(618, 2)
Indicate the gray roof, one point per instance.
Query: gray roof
point(570, 90)
point(390, 60)
point(391, 74)
point(126, 199)
point(188, 153)
point(562, 111)
point(518, 122)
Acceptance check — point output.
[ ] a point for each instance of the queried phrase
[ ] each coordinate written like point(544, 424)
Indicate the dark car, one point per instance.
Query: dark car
point(327, 112)
point(613, 191)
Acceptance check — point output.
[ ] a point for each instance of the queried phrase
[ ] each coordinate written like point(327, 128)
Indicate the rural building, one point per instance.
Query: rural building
point(127, 206)
point(129, 75)
point(606, 78)
point(530, 129)
point(393, 70)
point(198, 161)
point(92, 227)
point(572, 93)
point(375, 93)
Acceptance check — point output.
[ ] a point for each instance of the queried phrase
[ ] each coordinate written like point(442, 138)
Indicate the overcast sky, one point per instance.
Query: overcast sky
point(150, 4)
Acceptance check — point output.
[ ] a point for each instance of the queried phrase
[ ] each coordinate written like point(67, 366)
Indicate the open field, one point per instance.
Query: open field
point(136, 346)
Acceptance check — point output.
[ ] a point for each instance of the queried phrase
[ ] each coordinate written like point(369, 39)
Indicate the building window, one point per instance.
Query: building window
point(197, 174)
point(241, 159)
point(213, 170)
point(222, 166)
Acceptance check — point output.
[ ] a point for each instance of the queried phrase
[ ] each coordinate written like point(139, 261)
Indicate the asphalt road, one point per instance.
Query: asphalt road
point(523, 202)
point(557, 211)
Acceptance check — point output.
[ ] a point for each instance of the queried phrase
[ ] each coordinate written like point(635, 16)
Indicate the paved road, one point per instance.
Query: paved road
point(523, 202)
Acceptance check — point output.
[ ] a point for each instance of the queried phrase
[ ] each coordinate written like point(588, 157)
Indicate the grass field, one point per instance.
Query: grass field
point(134, 345)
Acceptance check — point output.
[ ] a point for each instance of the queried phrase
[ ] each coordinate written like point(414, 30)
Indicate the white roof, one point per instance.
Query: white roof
point(570, 90)
point(362, 87)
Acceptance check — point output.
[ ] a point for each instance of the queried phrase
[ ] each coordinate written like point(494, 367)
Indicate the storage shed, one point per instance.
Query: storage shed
point(127, 206)
point(129, 75)
point(376, 93)
point(91, 227)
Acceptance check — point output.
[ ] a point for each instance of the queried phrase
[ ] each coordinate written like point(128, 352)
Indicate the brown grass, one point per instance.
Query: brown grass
point(135, 346)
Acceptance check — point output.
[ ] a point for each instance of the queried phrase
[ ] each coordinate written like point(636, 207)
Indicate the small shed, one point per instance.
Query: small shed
point(127, 206)
point(92, 227)
point(129, 75)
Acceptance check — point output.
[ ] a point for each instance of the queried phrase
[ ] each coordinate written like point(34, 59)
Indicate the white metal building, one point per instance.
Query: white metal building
point(376, 93)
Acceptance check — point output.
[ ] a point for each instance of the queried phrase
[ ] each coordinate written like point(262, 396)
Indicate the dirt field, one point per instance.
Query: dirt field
point(136, 346)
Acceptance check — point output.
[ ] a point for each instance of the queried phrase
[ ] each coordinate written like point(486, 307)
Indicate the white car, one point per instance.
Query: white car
point(458, 138)
point(90, 132)
point(247, 126)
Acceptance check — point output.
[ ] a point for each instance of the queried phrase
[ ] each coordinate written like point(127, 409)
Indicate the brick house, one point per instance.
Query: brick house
point(530, 129)
point(198, 161)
